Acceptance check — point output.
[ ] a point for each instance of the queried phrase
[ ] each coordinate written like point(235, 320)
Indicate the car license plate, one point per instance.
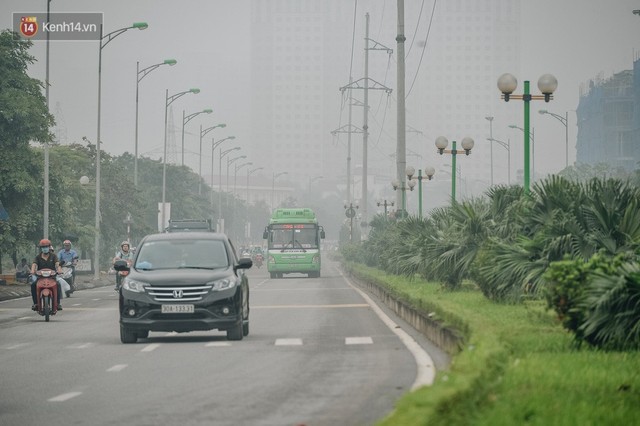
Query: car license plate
point(177, 309)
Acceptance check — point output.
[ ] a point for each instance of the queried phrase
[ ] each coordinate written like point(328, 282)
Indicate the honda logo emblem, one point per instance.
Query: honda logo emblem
point(177, 294)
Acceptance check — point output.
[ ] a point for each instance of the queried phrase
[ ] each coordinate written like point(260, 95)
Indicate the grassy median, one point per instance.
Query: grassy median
point(517, 366)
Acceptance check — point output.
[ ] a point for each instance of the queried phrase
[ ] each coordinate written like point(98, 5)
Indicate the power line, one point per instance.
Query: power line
point(423, 49)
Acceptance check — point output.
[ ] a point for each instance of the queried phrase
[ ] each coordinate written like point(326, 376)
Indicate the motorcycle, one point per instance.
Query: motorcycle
point(68, 272)
point(258, 260)
point(121, 275)
point(46, 293)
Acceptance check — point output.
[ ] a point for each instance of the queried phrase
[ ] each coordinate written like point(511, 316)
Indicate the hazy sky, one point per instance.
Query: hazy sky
point(573, 39)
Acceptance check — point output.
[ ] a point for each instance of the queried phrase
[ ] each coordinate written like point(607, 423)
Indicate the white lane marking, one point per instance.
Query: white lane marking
point(288, 342)
point(95, 300)
point(19, 345)
point(150, 347)
point(220, 344)
point(358, 341)
point(117, 367)
point(64, 396)
point(77, 304)
point(24, 318)
point(82, 346)
point(426, 370)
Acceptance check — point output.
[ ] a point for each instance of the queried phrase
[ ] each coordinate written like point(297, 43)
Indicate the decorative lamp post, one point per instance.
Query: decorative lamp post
point(350, 212)
point(565, 122)
point(140, 74)
point(104, 40)
point(386, 204)
point(188, 118)
point(429, 172)
point(273, 186)
point(467, 146)
point(507, 84)
point(396, 184)
point(168, 101)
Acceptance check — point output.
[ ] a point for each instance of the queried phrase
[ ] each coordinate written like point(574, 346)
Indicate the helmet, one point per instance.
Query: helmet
point(44, 243)
point(65, 242)
point(124, 243)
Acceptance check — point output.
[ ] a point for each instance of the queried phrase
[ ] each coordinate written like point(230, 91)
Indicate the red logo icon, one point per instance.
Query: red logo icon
point(28, 26)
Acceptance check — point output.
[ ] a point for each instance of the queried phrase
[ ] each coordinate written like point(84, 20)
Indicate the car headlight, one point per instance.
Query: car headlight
point(133, 285)
point(222, 284)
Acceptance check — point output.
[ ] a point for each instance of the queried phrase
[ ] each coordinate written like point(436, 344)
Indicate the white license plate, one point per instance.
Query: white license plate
point(177, 309)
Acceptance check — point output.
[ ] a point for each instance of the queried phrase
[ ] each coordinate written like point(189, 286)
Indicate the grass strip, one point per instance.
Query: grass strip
point(517, 365)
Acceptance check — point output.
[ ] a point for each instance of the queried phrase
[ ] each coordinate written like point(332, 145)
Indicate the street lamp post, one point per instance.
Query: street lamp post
point(467, 146)
point(168, 101)
point(214, 145)
point(490, 120)
point(248, 223)
point(273, 186)
point(565, 122)
point(532, 137)
point(386, 204)
point(220, 218)
point(547, 84)
point(396, 184)
point(313, 179)
point(230, 161)
point(188, 118)
point(506, 145)
point(350, 212)
point(140, 74)
point(429, 172)
point(104, 40)
point(202, 134)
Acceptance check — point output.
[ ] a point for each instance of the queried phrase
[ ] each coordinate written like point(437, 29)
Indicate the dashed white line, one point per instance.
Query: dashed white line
point(288, 342)
point(212, 344)
point(150, 347)
point(358, 341)
point(64, 397)
point(117, 367)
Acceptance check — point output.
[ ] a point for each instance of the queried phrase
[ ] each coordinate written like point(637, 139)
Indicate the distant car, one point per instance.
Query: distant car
point(184, 281)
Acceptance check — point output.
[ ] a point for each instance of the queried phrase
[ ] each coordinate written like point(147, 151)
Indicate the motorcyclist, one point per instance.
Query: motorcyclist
point(68, 257)
point(123, 254)
point(47, 259)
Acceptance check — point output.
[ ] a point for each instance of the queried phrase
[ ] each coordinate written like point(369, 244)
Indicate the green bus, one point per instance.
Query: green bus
point(293, 242)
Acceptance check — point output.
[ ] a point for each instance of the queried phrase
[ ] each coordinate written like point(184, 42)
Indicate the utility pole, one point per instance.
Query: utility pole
point(401, 159)
point(375, 86)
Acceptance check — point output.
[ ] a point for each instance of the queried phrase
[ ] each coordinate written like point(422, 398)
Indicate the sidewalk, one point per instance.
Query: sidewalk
point(14, 291)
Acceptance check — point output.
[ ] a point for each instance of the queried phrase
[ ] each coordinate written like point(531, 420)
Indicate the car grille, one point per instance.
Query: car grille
point(178, 294)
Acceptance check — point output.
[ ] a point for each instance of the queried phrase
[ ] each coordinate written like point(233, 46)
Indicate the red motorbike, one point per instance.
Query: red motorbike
point(47, 293)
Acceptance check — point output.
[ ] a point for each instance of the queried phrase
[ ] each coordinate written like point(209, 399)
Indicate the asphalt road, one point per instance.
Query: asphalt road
point(317, 354)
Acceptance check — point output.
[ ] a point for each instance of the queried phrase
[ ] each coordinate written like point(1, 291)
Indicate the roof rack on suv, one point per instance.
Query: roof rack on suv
point(187, 225)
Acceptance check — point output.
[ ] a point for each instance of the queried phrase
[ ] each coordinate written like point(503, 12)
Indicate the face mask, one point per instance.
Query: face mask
point(45, 250)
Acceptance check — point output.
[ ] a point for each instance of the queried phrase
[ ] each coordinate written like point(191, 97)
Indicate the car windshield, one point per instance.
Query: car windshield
point(175, 254)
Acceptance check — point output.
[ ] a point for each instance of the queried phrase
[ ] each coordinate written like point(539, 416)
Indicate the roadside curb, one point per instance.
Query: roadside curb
point(16, 291)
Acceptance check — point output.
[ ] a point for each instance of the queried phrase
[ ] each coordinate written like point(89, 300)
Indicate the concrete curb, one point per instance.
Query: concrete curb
point(16, 291)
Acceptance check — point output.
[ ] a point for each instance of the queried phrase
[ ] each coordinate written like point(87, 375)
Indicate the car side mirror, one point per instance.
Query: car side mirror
point(121, 265)
point(322, 233)
point(265, 234)
point(244, 263)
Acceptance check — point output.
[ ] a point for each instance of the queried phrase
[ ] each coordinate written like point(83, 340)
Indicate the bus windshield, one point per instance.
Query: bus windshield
point(298, 236)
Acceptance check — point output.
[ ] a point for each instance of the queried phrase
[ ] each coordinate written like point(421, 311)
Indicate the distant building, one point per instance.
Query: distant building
point(609, 120)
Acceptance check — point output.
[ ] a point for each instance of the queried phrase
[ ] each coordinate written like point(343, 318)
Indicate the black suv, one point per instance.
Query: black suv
point(184, 281)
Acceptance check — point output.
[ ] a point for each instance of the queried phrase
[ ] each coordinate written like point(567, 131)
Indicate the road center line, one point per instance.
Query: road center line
point(64, 397)
point(117, 367)
point(150, 347)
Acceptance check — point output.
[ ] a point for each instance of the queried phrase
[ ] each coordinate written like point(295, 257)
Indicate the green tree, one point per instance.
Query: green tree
point(24, 117)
